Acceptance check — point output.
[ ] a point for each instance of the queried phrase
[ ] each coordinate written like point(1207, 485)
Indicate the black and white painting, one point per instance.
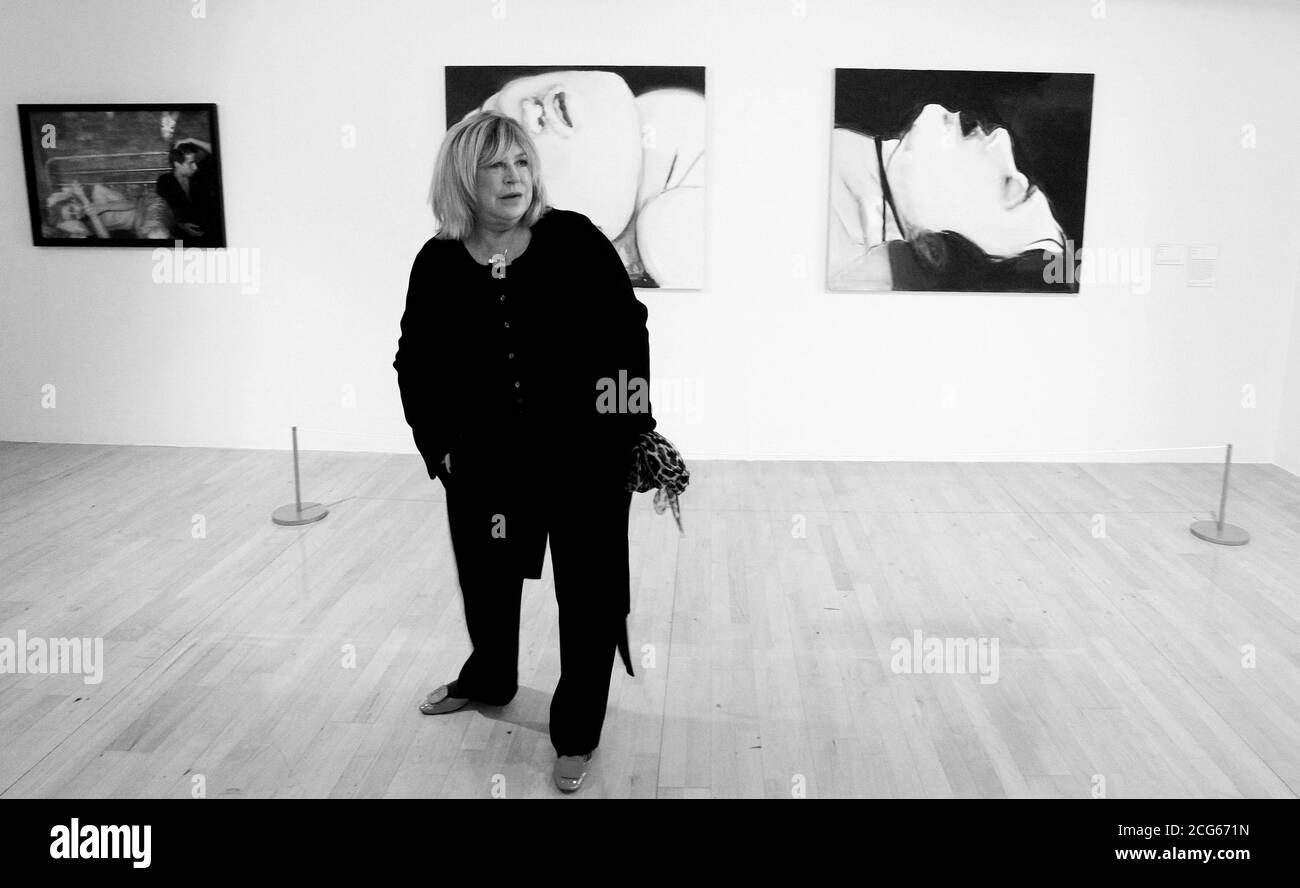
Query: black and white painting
point(123, 175)
point(958, 180)
point(624, 146)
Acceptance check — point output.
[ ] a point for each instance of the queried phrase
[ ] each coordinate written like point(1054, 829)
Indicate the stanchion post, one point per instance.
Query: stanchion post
point(1219, 531)
point(298, 496)
point(1223, 496)
point(298, 512)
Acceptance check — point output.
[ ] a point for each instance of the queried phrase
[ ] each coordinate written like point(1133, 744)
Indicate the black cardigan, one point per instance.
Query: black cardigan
point(482, 361)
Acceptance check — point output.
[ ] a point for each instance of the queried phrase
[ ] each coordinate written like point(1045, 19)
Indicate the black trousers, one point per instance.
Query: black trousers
point(589, 555)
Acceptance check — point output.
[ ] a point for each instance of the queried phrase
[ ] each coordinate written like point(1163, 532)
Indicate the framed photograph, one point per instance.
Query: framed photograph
point(623, 145)
point(965, 181)
point(123, 175)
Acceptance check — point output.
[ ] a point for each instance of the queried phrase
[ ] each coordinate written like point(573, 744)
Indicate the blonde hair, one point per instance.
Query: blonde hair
point(483, 137)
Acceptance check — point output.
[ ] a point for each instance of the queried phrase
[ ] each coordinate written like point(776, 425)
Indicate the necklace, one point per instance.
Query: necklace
point(498, 261)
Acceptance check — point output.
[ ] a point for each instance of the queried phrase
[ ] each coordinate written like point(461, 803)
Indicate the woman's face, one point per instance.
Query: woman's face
point(943, 180)
point(71, 209)
point(503, 188)
point(588, 136)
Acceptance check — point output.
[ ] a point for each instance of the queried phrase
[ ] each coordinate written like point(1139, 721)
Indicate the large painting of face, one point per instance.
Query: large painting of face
point(957, 180)
point(624, 146)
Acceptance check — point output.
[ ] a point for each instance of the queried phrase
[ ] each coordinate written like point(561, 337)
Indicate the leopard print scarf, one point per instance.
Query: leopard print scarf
point(657, 464)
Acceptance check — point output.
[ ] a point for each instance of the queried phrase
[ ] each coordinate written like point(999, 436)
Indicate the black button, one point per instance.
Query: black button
point(516, 383)
point(503, 297)
point(507, 323)
point(511, 356)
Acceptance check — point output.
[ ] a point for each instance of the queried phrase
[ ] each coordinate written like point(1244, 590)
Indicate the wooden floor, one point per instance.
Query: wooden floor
point(1120, 646)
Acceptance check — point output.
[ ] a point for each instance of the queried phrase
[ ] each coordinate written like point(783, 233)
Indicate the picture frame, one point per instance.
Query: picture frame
point(625, 145)
point(958, 181)
point(123, 175)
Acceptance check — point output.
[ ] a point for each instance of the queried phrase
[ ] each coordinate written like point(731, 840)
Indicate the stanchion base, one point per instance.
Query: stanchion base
point(1232, 535)
point(291, 515)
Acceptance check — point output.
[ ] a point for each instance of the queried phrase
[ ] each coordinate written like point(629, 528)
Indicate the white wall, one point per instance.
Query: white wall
point(787, 370)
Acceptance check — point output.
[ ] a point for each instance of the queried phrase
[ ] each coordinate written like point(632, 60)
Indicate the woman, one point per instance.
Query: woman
point(73, 214)
point(937, 209)
point(515, 313)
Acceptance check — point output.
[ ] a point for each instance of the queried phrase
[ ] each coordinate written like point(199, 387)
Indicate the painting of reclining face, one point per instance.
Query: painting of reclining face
point(957, 180)
point(624, 146)
point(123, 175)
